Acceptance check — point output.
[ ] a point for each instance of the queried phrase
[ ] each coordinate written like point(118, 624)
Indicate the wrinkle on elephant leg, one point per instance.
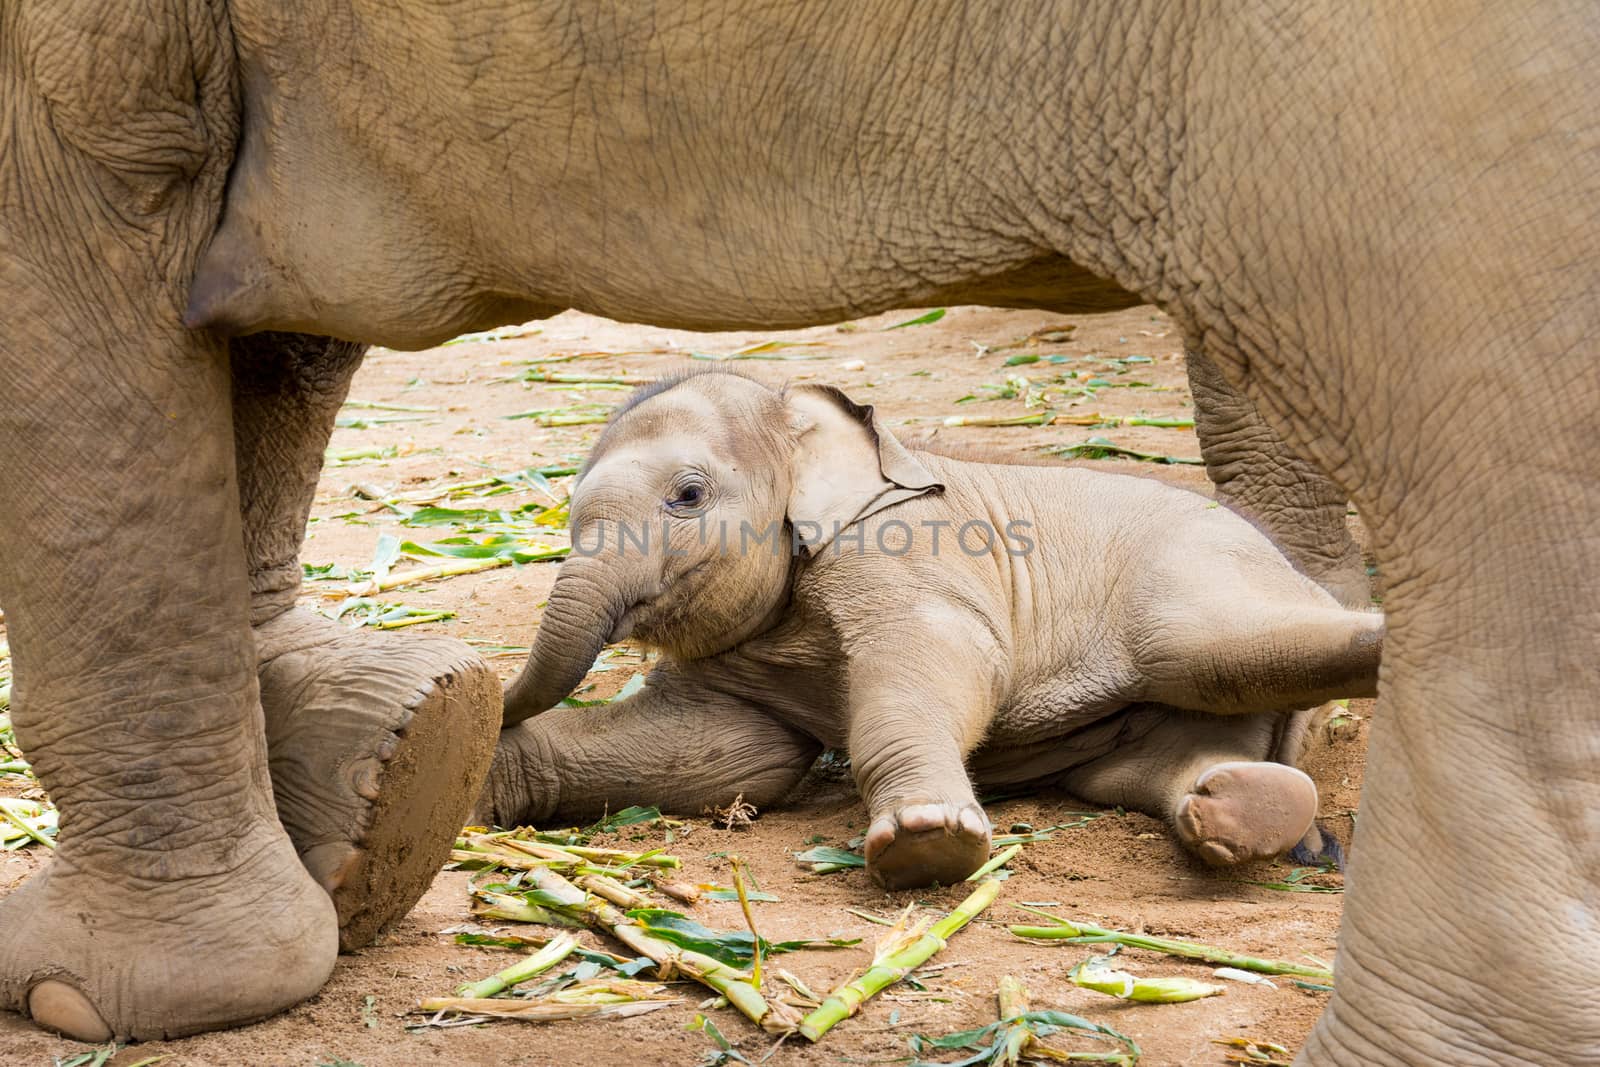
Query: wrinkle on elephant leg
point(174, 902)
point(1285, 496)
point(378, 743)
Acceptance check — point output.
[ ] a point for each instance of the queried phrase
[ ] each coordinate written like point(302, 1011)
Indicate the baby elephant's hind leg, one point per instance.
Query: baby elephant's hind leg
point(1210, 777)
point(1240, 654)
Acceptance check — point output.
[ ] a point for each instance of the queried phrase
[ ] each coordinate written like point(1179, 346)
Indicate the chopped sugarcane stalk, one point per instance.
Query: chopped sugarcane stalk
point(22, 824)
point(1012, 1000)
point(1081, 933)
point(555, 950)
point(416, 620)
point(680, 891)
point(550, 1009)
point(731, 982)
point(374, 405)
point(900, 952)
point(500, 859)
point(1098, 976)
point(1037, 418)
point(616, 857)
point(998, 860)
point(570, 378)
point(609, 888)
point(488, 904)
point(428, 574)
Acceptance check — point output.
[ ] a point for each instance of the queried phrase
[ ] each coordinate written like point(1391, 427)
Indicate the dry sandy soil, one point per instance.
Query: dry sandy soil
point(1121, 871)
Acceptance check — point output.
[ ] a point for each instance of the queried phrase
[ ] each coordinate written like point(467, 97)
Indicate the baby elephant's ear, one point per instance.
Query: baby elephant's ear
point(846, 466)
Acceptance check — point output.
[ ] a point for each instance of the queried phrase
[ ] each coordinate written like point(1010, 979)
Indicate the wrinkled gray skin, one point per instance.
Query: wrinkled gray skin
point(1377, 224)
point(1134, 642)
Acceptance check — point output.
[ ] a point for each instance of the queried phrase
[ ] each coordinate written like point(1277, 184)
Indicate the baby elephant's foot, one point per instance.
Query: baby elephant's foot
point(378, 744)
point(1238, 812)
point(923, 843)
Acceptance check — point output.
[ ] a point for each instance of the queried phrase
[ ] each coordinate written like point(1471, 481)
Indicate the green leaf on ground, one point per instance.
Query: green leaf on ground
point(733, 947)
point(1104, 448)
point(921, 320)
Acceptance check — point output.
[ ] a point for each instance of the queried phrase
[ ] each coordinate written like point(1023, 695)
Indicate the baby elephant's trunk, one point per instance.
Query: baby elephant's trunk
point(582, 613)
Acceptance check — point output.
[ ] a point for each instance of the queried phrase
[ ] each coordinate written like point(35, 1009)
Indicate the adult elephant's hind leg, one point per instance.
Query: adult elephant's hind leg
point(1260, 477)
point(174, 902)
point(378, 742)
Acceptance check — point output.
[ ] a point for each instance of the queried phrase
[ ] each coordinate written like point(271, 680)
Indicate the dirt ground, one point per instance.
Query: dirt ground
point(1122, 871)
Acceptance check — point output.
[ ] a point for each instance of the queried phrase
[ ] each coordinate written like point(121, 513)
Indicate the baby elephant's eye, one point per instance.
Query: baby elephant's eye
point(686, 496)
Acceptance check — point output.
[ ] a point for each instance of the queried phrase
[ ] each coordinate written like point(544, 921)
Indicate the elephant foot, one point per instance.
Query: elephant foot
point(923, 843)
point(378, 745)
point(1238, 812)
point(90, 957)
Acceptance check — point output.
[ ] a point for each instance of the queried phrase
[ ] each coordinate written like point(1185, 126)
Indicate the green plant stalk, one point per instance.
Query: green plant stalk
point(14, 767)
point(602, 885)
point(669, 958)
point(750, 920)
point(998, 860)
point(1086, 934)
point(559, 378)
point(894, 962)
point(615, 857)
point(351, 455)
point(488, 904)
point(374, 405)
point(16, 820)
point(1012, 1000)
point(1042, 418)
point(429, 574)
point(1172, 990)
point(416, 620)
point(554, 951)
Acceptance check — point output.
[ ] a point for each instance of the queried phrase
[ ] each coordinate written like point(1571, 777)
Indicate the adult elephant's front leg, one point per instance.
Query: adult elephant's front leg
point(378, 742)
point(1260, 477)
point(175, 901)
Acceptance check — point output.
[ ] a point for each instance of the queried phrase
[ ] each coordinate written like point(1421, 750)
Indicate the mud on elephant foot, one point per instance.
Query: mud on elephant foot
point(922, 842)
point(1238, 812)
point(378, 746)
point(87, 959)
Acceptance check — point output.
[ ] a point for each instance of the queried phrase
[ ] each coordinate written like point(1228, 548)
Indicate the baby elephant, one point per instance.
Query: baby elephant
point(812, 582)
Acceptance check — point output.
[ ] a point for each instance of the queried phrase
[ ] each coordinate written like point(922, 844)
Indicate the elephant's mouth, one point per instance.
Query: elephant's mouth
point(644, 610)
point(623, 627)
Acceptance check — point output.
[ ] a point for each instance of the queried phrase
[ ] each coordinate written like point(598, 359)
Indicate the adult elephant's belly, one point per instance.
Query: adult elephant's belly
point(455, 168)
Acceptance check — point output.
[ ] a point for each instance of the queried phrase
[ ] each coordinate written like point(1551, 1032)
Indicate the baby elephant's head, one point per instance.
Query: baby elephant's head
point(688, 516)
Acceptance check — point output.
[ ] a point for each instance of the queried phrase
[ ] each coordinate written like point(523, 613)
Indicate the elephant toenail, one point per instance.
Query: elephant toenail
point(332, 864)
point(60, 1007)
point(974, 823)
point(922, 817)
point(366, 778)
point(879, 835)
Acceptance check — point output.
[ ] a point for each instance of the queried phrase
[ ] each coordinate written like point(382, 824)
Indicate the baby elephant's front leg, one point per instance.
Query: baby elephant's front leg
point(674, 744)
point(911, 726)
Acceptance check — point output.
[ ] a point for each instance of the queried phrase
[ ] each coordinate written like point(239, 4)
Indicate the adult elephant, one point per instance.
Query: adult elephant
point(1377, 226)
